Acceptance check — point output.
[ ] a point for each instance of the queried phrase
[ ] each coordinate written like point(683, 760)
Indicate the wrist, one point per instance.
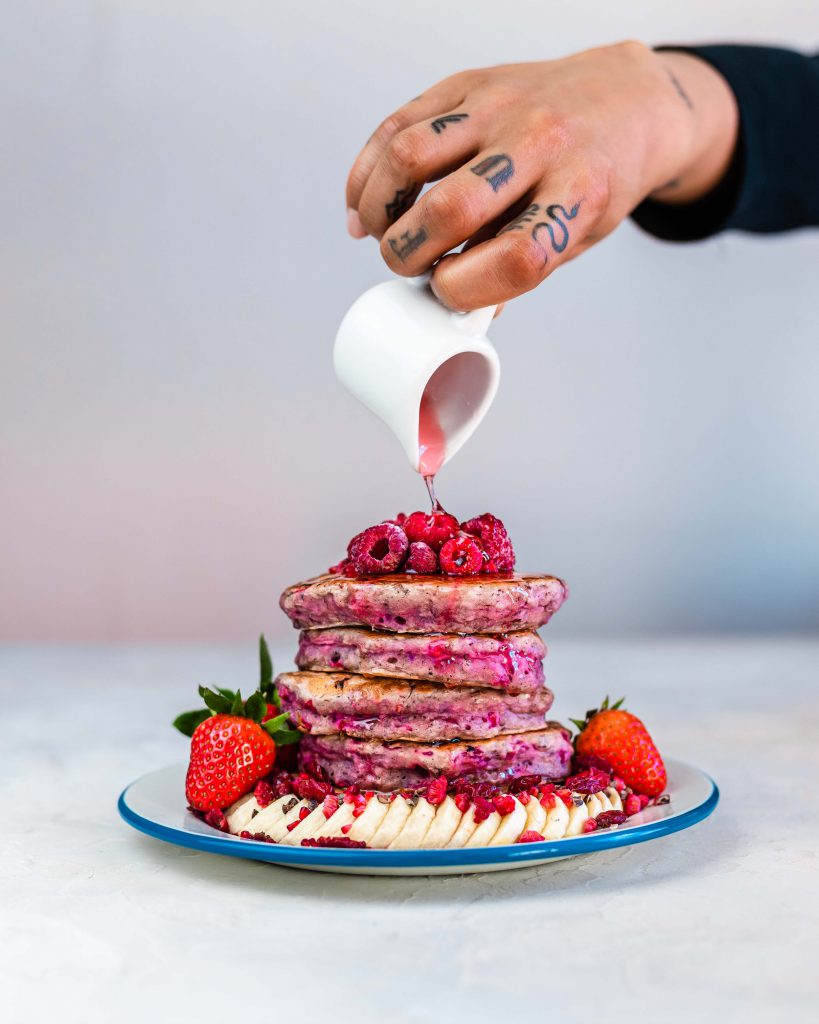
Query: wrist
point(711, 118)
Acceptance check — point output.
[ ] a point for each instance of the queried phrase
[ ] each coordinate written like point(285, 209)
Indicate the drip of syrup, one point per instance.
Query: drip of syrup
point(431, 438)
point(430, 482)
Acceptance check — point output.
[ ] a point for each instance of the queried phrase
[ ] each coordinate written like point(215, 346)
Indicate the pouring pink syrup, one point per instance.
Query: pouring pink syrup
point(431, 438)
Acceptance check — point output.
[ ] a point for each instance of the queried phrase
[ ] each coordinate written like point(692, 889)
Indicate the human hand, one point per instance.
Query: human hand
point(535, 163)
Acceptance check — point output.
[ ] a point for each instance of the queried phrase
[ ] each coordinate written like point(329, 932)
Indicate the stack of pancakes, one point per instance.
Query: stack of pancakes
point(407, 677)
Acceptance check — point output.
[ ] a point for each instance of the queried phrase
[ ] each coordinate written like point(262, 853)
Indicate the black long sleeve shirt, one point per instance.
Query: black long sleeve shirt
point(773, 181)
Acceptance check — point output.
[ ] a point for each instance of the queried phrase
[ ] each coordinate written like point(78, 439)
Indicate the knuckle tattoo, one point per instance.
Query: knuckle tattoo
point(497, 170)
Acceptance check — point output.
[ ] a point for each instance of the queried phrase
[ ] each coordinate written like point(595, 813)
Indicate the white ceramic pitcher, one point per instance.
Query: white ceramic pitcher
point(397, 343)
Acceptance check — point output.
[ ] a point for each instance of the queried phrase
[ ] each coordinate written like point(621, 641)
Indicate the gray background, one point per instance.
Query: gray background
point(174, 448)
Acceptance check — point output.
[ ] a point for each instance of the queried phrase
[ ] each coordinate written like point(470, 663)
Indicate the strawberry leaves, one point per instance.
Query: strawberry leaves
point(604, 706)
point(220, 701)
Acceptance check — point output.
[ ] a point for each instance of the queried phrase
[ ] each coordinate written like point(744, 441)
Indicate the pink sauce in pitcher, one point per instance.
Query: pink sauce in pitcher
point(431, 439)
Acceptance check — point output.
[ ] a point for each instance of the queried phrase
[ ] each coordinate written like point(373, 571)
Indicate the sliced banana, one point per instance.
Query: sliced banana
point(306, 828)
point(334, 824)
point(557, 820)
point(238, 815)
point(482, 836)
point(464, 830)
point(365, 825)
point(405, 825)
point(446, 821)
point(595, 805)
point(269, 817)
point(535, 816)
point(511, 826)
point(393, 822)
point(278, 830)
point(578, 816)
point(411, 836)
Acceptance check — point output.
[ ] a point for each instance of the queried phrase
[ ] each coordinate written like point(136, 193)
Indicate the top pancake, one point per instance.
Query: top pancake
point(405, 603)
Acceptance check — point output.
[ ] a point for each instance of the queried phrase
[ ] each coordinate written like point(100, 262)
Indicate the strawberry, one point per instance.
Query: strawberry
point(622, 740)
point(233, 741)
point(229, 754)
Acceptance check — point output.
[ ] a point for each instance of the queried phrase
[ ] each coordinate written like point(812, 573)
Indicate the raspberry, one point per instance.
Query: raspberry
point(580, 762)
point(379, 550)
point(504, 804)
point(632, 805)
point(462, 802)
point(608, 818)
point(216, 819)
point(618, 783)
point(282, 784)
point(500, 555)
point(264, 793)
point(590, 781)
point(461, 556)
point(311, 789)
point(330, 805)
point(644, 800)
point(421, 559)
point(342, 568)
point(530, 836)
point(260, 837)
point(433, 529)
point(523, 782)
point(483, 808)
point(589, 825)
point(330, 841)
point(436, 791)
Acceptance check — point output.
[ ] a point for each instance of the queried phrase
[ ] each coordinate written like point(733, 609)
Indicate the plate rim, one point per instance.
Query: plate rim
point(517, 853)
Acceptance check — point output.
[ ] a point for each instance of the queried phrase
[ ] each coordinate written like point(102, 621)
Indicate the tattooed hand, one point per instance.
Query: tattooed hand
point(534, 163)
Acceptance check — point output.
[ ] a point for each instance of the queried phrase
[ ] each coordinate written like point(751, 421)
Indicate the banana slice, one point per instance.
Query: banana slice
point(278, 830)
point(578, 815)
point(482, 836)
point(411, 836)
point(366, 824)
point(464, 830)
point(238, 815)
point(535, 816)
point(306, 828)
point(392, 823)
point(443, 827)
point(511, 826)
point(594, 805)
point(557, 821)
point(269, 817)
point(615, 799)
point(334, 825)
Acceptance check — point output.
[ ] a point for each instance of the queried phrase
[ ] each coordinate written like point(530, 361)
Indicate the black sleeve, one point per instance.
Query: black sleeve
point(773, 181)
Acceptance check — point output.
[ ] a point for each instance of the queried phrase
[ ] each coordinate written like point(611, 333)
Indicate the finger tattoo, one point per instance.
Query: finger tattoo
point(401, 201)
point(528, 215)
point(440, 123)
point(496, 170)
point(558, 243)
point(407, 243)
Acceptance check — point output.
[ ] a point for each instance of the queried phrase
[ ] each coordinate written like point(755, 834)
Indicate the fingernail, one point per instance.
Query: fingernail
point(354, 225)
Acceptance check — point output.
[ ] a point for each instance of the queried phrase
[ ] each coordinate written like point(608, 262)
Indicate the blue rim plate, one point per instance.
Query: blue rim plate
point(155, 804)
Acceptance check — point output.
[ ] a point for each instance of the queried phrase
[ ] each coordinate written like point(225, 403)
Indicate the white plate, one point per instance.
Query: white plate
point(155, 805)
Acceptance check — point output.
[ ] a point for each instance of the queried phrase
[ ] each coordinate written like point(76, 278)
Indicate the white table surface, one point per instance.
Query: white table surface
point(719, 923)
